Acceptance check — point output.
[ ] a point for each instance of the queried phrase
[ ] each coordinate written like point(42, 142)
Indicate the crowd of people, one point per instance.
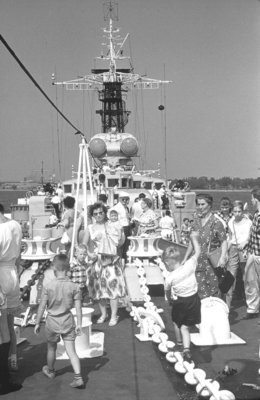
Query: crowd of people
point(96, 271)
point(237, 236)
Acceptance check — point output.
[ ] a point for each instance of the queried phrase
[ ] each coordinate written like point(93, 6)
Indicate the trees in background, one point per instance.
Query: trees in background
point(225, 182)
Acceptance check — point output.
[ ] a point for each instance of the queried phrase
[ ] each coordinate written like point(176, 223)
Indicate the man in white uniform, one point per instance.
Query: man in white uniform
point(10, 247)
point(123, 217)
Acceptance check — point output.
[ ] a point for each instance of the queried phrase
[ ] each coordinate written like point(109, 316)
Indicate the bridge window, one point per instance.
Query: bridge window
point(124, 182)
point(158, 185)
point(148, 185)
point(67, 188)
point(137, 184)
point(112, 182)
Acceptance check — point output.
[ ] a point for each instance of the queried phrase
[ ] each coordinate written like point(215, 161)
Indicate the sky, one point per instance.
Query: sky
point(208, 48)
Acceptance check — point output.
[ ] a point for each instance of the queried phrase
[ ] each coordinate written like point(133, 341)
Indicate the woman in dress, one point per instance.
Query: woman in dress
point(239, 230)
point(105, 278)
point(148, 221)
point(211, 236)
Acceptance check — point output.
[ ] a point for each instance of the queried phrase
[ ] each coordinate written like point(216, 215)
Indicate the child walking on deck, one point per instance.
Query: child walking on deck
point(181, 290)
point(60, 296)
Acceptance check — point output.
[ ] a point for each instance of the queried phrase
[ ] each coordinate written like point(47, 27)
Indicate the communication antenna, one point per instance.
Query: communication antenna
point(110, 10)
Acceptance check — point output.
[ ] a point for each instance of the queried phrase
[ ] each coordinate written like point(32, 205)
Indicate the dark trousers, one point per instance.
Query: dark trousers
point(4, 371)
point(127, 232)
point(56, 207)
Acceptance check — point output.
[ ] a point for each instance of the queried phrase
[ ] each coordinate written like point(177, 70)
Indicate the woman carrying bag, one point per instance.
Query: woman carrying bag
point(105, 277)
point(212, 237)
point(239, 229)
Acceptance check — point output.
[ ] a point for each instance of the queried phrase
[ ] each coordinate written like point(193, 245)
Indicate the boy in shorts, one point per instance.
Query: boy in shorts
point(60, 295)
point(181, 290)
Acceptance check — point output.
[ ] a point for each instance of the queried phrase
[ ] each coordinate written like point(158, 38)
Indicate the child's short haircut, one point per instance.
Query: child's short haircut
point(170, 252)
point(61, 262)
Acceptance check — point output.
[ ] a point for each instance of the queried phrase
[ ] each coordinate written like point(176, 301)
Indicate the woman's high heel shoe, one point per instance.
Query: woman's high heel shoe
point(113, 321)
point(101, 319)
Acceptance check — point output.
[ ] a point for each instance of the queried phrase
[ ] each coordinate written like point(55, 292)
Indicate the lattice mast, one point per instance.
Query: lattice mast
point(112, 82)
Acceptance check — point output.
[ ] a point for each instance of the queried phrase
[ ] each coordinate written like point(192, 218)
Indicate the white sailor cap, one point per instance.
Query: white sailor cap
point(123, 194)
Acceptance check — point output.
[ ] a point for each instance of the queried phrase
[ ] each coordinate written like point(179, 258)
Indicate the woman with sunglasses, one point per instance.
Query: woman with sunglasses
point(106, 281)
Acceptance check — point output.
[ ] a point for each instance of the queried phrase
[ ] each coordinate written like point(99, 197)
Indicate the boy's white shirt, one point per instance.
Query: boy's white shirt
point(182, 281)
point(240, 231)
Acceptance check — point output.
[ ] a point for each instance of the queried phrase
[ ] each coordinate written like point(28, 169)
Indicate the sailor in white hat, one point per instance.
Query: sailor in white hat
point(123, 195)
point(124, 218)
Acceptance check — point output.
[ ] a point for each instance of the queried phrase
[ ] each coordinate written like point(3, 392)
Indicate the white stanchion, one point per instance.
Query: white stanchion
point(88, 344)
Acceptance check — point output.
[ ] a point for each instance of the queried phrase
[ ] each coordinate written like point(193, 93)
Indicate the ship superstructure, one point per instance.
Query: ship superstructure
point(114, 149)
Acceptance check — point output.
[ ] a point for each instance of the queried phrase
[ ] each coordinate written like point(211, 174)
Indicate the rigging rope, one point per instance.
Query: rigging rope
point(36, 84)
point(41, 90)
point(144, 130)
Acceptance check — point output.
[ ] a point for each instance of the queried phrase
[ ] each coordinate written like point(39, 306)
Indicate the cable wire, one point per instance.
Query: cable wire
point(41, 90)
point(35, 83)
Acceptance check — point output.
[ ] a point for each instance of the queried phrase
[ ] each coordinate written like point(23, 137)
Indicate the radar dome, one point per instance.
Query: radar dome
point(129, 146)
point(97, 147)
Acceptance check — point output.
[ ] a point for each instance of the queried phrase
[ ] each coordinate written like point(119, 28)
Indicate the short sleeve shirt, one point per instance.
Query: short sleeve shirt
point(60, 294)
point(10, 241)
point(239, 230)
point(182, 281)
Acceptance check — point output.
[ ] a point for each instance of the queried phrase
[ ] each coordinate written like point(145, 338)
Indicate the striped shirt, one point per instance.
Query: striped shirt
point(254, 239)
point(78, 274)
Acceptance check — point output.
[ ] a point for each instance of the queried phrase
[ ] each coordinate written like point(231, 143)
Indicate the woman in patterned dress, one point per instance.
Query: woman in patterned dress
point(105, 278)
point(148, 221)
point(211, 236)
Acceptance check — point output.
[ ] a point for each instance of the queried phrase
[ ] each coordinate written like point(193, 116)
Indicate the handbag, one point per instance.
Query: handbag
point(225, 279)
point(242, 254)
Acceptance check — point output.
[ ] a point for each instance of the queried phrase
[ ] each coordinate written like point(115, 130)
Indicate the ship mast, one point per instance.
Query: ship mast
point(113, 113)
point(112, 82)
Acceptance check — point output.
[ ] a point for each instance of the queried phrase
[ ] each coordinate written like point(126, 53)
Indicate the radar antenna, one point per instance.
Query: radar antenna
point(112, 82)
point(110, 9)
